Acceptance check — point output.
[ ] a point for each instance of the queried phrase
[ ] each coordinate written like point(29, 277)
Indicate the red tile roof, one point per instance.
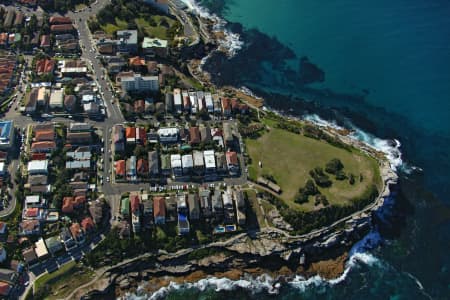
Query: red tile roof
point(142, 166)
point(45, 66)
point(87, 224)
point(61, 28)
point(120, 167)
point(60, 20)
point(134, 201)
point(194, 134)
point(5, 288)
point(232, 158)
point(75, 230)
point(32, 212)
point(69, 203)
point(45, 145)
point(136, 61)
point(159, 207)
point(44, 135)
point(130, 132)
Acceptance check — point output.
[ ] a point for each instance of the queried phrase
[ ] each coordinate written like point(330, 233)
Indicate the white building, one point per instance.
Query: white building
point(41, 248)
point(37, 167)
point(188, 163)
point(194, 103)
point(177, 100)
point(140, 83)
point(210, 161)
point(168, 135)
point(56, 99)
point(175, 164)
point(209, 102)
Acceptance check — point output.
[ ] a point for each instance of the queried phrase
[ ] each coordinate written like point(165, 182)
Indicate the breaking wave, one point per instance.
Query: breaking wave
point(391, 148)
point(231, 42)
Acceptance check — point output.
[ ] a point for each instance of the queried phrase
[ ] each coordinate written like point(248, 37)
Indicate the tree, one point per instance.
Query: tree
point(334, 166)
point(140, 151)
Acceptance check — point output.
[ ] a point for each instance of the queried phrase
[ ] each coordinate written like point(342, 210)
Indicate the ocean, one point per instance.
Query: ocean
point(383, 69)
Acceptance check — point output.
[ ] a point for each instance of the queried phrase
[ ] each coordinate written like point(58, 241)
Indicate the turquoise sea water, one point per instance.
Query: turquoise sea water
point(387, 68)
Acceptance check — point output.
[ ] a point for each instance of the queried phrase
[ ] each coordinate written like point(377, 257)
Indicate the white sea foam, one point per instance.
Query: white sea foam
point(231, 42)
point(391, 148)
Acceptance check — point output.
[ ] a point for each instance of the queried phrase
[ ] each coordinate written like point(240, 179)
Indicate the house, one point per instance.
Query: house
point(120, 168)
point(168, 135)
point(155, 47)
point(29, 255)
point(70, 102)
point(187, 163)
point(221, 162)
point(209, 105)
point(169, 102)
point(45, 41)
point(135, 212)
point(78, 164)
point(232, 163)
point(217, 205)
point(205, 134)
point(125, 207)
point(142, 167)
point(171, 208)
point(61, 28)
point(228, 134)
point(226, 107)
point(5, 289)
point(177, 101)
point(139, 83)
point(130, 134)
point(34, 201)
point(159, 210)
point(67, 239)
point(77, 233)
point(166, 168)
point(194, 207)
point(42, 96)
point(131, 168)
point(45, 66)
point(194, 102)
point(153, 164)
point(2, 254)
point(96, 211)
point(71, 203)
point(176, 165)
point(56, 99)
point(205, 202)
point(43, 147)
point(37, 167)
point(147, 210)
point(127, 41)
point(53, 20)
point(87, 224)
point(3, 228)
point(80, 127)
point(194, 135)
point(141, 136)
point(186, 101)
point(210, 162)
point(201, 101)
point(119, 138)
point(228, 207)
point(199, 163)
point(79, 138)
point(139, 106)
point(41, 249)
point(31, 101)
point(137, 63)
point(44, 133)
point(239, 200)
point(53, 244)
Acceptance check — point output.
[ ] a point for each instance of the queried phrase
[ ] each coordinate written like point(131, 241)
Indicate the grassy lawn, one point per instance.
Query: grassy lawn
point(112, 28)
point(63, 281)
point(158, 31)
point(289, 157)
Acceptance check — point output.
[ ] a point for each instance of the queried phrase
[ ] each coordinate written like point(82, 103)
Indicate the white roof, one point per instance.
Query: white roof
point(37, 165)
point(74, 70)
point(32, 199)
point(187, 161)
point(170, 131)
point(210, 159)
point(56, 97)
point(198, 158)
point(177, 97)
point(175, 161)
point(41, 249)
point(2, 166)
